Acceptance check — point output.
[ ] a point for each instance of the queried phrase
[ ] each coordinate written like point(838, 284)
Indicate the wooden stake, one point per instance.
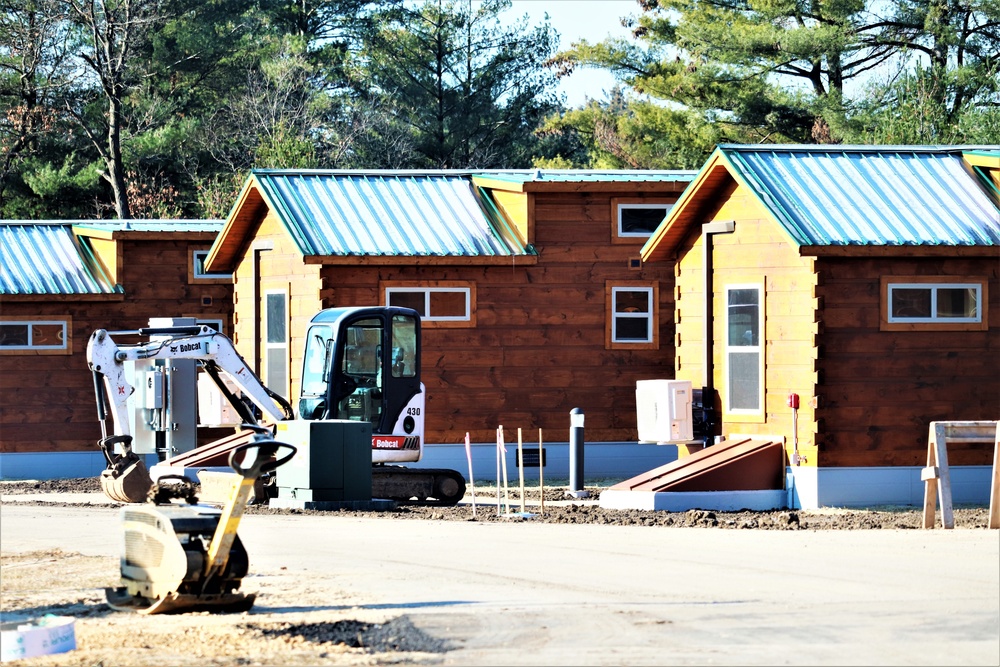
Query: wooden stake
point(472, 481)
point(520, 468)
point(541, 473)
point(503, 461)
point(994, 521)
point(498, 471)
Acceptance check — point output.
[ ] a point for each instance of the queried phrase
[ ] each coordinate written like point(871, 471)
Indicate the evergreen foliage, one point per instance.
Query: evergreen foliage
point(152, 108)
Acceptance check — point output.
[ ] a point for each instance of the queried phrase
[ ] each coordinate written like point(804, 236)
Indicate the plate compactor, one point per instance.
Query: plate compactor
point(178, 558)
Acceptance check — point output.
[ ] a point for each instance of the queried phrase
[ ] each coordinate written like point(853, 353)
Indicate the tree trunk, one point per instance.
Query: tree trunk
point(116, 167)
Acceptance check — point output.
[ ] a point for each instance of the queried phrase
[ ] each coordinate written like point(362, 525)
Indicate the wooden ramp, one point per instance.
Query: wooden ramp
point(213, 454)
point(733, 465)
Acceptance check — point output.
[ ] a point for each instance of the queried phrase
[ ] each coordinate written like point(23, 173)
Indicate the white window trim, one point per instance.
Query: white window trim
point(202, 275)
point(746, 349)
point(648, 315)
point(427, 301)
point(637, 235)
point(285, 345)
point(933, 288)
point(29, 324)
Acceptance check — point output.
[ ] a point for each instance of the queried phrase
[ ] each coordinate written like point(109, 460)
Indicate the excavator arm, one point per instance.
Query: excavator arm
point(201, 343)
point(126, 478)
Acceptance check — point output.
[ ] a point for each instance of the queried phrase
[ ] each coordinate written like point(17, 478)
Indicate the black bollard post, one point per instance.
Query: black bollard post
point(576, 441)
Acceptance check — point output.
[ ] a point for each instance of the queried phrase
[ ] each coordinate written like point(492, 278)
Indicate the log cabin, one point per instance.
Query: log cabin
point(534, 300)
point(59, 282)
point(859, 284)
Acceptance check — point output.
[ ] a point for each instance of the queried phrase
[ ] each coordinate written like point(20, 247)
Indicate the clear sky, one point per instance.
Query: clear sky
point(593, 20)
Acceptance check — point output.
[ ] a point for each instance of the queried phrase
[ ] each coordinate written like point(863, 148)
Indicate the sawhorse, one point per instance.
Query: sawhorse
point(937, 480)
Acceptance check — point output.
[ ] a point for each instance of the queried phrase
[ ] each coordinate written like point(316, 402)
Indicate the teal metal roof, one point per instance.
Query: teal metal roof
point(46, 258)
point(165, 225)
point(390, 213)
point(871, 195)
point(590, 176)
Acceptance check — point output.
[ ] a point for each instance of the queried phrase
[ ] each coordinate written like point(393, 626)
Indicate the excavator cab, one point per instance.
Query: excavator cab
point(361, 364)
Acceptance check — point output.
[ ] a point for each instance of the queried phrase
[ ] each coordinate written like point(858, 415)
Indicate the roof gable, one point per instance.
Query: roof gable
point(847, 196)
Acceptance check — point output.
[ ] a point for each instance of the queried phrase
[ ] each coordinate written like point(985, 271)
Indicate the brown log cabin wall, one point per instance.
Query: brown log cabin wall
point(47, 401)
point(881, 389)
point(537, 349)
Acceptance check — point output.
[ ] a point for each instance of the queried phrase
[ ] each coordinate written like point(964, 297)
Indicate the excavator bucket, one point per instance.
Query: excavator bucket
point(126, 480)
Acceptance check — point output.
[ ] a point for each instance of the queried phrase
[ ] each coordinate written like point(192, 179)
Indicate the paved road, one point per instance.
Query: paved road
point(543, 594)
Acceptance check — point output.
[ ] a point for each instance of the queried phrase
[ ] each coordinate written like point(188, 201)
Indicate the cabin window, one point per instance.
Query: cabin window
point(34, 336)
point(276, 341)
point(632, 318)
point(922, 303)
point(634, 220)
point(744, 349)
point(440, 304)
point(197, 272)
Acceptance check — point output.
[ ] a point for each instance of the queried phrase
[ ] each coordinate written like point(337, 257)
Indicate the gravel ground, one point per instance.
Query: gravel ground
point(590, 512)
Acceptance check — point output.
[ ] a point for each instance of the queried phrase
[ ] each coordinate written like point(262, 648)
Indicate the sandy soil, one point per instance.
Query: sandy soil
point(69, 584)
point(313, 629)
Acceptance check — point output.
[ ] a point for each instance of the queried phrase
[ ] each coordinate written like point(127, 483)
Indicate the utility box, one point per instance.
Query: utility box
point(214, 408)
point(333, 461)
point(164, 413)
point(663, 411)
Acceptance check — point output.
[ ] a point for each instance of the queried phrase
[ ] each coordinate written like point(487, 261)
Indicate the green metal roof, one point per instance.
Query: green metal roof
point(387, 213)
point(589, 176)
point(871, 195)
point(165, 225)
point(47, 258)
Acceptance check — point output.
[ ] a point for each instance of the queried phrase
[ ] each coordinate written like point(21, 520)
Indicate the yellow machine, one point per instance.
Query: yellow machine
point(181, 558)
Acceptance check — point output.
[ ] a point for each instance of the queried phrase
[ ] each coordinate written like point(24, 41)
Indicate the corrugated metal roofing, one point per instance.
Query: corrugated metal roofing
point(590, 176)
point(166, 225)
point(386, 213)
point(39, 258)
point(869, 195)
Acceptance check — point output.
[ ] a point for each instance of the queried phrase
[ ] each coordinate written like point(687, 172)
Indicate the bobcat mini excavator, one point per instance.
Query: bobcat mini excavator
point(126, 478)
point(359, 363)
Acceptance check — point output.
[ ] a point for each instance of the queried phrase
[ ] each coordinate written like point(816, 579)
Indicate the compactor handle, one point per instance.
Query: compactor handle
point(261, 463)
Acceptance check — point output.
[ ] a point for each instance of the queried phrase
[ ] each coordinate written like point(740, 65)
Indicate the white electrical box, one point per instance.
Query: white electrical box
point(214, 408)
point(663, 411)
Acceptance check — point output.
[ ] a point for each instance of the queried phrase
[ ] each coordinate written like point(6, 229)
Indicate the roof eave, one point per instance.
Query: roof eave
point(665, 238)
point(900, 251)
point(224, 252)
point(422, 260)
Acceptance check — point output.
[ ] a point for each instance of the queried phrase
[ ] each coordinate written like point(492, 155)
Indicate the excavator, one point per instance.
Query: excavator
point(360, 363)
